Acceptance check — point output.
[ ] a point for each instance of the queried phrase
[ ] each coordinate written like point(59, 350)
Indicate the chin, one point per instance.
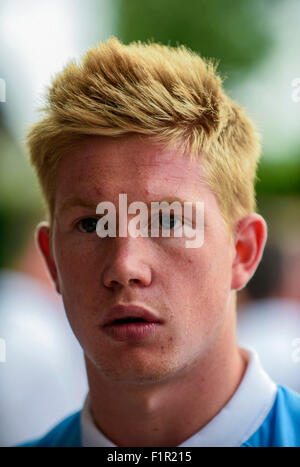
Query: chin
point(136, 371)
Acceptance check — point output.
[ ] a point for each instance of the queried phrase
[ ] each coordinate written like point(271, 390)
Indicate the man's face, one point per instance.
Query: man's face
point(189, 289)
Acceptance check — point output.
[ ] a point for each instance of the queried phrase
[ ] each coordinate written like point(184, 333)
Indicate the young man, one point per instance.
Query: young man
point(155, 319)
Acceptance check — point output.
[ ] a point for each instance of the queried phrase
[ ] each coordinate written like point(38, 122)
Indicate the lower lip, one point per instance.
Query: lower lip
point(131, 331)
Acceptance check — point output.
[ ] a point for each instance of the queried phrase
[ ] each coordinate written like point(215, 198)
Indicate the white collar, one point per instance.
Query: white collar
point(232, 426)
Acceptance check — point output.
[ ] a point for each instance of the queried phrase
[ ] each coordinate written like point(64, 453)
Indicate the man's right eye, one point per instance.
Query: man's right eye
point(87, 225)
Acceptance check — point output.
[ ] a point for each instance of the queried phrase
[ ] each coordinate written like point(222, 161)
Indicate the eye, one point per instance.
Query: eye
point(170, 222)
point(167, 221)
point(87, 225)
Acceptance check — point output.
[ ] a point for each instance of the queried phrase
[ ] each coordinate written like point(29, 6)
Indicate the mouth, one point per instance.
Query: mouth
point(125, 314)
point(129, 319)
point(126, 323)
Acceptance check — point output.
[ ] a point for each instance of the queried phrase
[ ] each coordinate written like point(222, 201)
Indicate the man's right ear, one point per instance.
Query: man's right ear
point(42, 238)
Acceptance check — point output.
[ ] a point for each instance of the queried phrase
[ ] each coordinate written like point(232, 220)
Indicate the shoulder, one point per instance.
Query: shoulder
point(66, 433)
point(281, 427)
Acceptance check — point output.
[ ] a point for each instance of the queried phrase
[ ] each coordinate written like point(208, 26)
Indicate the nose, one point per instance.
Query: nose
point(127, 263)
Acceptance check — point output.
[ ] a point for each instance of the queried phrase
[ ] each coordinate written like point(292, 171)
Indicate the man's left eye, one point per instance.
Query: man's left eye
point(87, 225)
point(167, 222)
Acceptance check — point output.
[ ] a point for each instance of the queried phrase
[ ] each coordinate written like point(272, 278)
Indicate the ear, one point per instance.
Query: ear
point(43, 241)
point(250, 240)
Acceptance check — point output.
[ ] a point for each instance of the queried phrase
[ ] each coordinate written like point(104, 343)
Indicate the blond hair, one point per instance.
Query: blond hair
point(169, 94)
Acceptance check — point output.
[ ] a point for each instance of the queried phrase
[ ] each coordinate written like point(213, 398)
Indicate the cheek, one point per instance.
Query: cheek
point(77, 268)
point(81, 293)
point(74, 255)
point(201, 285)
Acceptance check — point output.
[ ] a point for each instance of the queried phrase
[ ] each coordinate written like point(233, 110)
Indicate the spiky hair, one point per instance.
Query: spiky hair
point(170, 94)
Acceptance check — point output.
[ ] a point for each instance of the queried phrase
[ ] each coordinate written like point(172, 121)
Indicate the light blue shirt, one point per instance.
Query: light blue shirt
point(259, 414)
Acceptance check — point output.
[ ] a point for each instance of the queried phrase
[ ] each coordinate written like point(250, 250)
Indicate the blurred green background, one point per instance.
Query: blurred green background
point(256, 44)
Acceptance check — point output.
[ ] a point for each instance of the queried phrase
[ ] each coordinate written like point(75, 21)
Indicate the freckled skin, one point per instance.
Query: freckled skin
point(178, 282)
point(188, 288)
point(162, 389)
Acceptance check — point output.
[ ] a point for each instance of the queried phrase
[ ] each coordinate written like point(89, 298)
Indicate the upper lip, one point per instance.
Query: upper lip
point(129, 311)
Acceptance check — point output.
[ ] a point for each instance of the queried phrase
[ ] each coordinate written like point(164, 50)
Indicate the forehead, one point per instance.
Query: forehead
point(104, 164)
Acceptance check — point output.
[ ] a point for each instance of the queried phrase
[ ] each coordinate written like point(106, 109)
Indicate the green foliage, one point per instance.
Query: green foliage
point(20, 205)
point(279, 179)
point(232, 31)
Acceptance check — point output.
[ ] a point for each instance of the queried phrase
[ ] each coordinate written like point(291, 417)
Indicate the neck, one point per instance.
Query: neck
point(169, 412)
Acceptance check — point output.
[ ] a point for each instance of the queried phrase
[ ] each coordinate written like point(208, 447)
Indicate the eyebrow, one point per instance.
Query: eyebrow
point(77, 201)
